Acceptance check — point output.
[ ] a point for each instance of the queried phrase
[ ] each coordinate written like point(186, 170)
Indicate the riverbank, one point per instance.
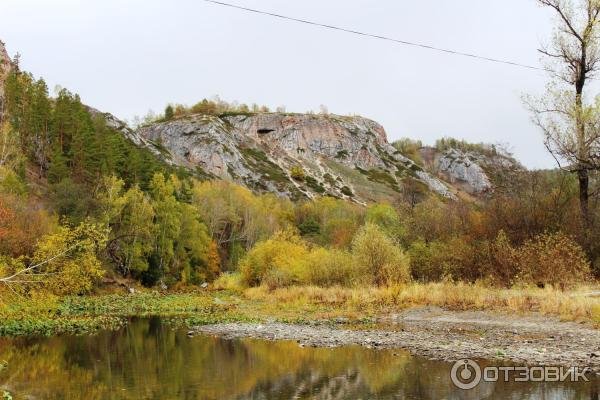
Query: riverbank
point(444, 335)
point(227, 302)
point(439, 320)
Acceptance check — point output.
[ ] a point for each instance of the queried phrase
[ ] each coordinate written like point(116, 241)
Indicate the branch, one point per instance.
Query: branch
point(10, 279)
point(556, 6)
point(547, 145)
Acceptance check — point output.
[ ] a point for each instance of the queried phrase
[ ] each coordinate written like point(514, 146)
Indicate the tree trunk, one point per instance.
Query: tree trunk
point(584, 181)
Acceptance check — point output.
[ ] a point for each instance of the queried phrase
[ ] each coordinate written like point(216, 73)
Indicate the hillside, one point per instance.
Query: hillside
point(477, 172)
point(293, 155)
point(301, 156)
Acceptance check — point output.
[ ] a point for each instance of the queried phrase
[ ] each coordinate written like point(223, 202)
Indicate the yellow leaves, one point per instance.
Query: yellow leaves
point(552, 258)
point(329, 267)
point(383, 260)
point(297, 173)
point(111, 199)
point(214, 260)
point(67, 259)
point(286, 259)
point(277, 261)
point(234, 214)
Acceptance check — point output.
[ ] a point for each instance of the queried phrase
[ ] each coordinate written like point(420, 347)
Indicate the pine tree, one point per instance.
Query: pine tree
point(169, 113)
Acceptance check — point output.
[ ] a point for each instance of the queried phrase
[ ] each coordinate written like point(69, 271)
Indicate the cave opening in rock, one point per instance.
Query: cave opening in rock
point(264, 130)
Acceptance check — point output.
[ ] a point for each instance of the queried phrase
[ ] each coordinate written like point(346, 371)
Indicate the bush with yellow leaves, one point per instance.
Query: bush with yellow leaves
point(382, 260)
point(276, 262)
point(552, 259)
point(333, 267)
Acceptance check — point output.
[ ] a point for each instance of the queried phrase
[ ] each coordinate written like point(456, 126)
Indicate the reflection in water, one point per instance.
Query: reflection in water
point(148, 360)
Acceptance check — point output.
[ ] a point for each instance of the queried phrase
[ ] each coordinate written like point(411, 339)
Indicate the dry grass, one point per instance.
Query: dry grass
point(572, 305)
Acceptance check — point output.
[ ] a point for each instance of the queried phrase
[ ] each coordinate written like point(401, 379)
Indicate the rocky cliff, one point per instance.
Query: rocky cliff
point(305, 155)
point(5, 68)
point(293, 155)
point(474, 172)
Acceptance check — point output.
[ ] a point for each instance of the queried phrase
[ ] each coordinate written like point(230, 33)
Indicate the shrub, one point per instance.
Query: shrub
point(439, 260)
point(332, 267)
point(347, 191)
point(276, 261)
point(554, 259)
point(338, 232)
point(229, 281)
point(22, 224)
point(67, 260)
point(309, 227)
point(409, 148)
point(422, 264)
point(338, 221)
point(498, 260)
point(387, 218)
point(297, 173)
point(382, 259)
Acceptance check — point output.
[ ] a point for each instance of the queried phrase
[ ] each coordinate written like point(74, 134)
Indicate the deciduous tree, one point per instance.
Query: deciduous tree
point(571, 125)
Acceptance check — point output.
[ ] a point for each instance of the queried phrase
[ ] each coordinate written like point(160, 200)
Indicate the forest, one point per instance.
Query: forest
point(82, 207)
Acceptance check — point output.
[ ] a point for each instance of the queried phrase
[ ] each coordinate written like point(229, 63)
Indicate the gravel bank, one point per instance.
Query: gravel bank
point(445, 335)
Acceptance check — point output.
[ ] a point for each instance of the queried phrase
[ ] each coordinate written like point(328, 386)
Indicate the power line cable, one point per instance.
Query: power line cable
point(371, 35)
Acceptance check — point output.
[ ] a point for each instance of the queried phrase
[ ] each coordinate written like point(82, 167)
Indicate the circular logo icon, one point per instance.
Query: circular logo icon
point(465, 374)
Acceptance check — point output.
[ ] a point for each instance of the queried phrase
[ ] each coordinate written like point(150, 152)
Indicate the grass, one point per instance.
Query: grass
point(228, 301)
point(380, 176)
point(261, 163)
point(369, 301)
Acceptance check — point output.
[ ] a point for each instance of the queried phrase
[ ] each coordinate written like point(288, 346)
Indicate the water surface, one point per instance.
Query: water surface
point(150, 360)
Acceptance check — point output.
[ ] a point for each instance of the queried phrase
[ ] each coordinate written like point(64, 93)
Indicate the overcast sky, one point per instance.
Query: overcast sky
point(127, 57)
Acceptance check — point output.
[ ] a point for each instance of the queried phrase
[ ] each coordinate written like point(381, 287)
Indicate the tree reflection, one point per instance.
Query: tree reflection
point(150, 361)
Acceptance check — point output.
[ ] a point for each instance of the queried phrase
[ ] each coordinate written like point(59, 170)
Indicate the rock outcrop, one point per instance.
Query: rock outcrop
point(464, 167)
point(5, 68)
point(475, 172)
point(292, 155)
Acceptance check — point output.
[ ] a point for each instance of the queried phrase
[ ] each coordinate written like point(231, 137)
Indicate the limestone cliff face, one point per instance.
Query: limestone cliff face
point(346, 157)
point(5, 68)
point(465, 167)
point(471, 171)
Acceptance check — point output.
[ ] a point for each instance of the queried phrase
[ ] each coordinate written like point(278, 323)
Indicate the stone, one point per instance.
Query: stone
point(459, 166)
point(5, 68)
point(259, 150)
point(472, 170)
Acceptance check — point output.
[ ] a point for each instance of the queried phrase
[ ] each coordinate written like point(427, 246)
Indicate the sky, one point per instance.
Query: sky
point(130, 56)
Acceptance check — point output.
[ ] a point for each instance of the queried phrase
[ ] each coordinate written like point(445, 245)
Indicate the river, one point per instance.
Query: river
point(150, 360)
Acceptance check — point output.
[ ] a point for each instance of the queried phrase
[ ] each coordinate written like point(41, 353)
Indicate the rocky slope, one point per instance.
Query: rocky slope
point(292, 155)
point(305, 155)
point(5, 68)
point(474, 172)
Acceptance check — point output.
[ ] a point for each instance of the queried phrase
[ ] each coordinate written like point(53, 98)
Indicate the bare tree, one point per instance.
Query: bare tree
point(571, 125)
